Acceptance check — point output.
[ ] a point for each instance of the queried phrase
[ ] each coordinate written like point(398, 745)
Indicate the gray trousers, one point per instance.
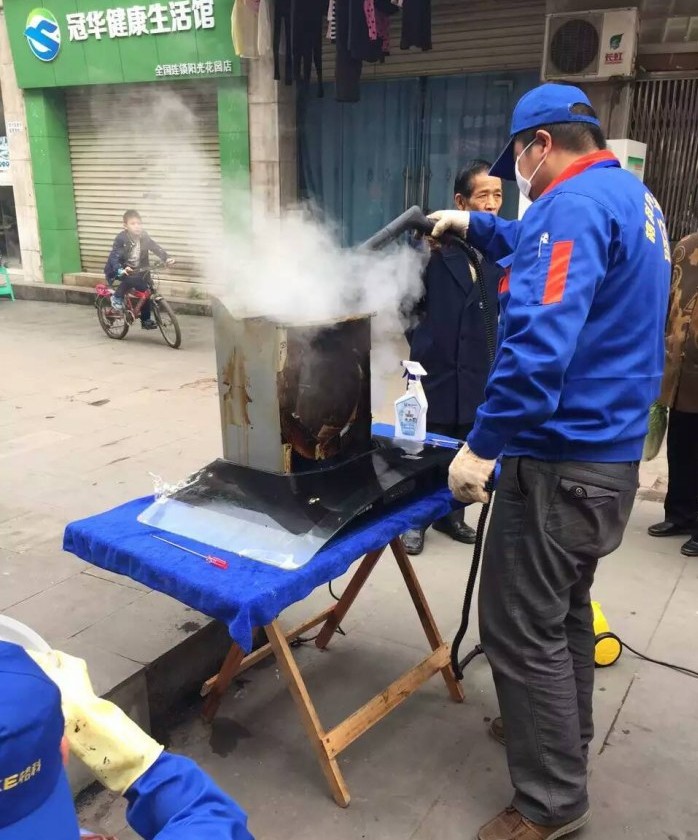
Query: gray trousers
point(551, 522)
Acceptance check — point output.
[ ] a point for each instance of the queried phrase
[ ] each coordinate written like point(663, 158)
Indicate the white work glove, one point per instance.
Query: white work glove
point(113, 747)
point(468, 476)
point(456, 221)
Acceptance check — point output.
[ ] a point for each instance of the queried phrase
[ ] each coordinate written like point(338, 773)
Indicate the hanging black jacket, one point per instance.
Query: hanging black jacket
point(416, 24)
point(283, 20)
point(348, 66)
point(308, 21)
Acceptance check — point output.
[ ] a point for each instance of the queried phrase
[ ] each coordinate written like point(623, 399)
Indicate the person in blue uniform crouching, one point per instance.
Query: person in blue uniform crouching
point(168, 795)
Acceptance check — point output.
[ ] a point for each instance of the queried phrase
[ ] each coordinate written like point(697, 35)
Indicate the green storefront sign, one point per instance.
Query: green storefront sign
point(73, 43)
point(97, 42)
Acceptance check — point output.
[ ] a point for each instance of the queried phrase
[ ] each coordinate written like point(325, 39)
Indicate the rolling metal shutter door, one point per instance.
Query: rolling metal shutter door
point(153, 148)
point(664, 114)
point(467, 36)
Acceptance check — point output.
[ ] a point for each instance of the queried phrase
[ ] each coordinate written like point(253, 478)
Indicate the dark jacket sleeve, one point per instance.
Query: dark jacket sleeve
point(111, 269)
point(176, 800)
point(153, 246)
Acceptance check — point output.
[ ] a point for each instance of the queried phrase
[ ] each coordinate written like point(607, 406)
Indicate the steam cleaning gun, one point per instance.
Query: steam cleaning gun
point(415, 220)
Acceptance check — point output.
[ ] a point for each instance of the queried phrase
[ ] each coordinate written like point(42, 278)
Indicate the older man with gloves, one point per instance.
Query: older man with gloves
point(581, 346)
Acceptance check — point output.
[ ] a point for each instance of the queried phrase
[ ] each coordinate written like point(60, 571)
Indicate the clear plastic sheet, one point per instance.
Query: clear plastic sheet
point(284, 520)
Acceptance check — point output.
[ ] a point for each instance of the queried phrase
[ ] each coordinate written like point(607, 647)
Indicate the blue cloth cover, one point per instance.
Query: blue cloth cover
point(248, 594)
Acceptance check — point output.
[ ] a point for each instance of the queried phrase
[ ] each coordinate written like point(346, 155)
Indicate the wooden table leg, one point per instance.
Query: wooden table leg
point(341, 608)
point(222, 681)
point(425, 616)
point(308, 714)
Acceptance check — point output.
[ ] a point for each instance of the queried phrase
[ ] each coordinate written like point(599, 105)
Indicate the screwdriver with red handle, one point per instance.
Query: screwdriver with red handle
point(218, 562)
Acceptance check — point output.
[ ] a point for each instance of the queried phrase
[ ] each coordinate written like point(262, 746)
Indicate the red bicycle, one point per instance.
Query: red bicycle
point(117, 322)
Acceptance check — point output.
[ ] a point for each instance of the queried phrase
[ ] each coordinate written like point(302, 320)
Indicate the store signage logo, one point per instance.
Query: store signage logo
point(207, 68)
point(43, 34)
point(616, 54)
point(135, 21)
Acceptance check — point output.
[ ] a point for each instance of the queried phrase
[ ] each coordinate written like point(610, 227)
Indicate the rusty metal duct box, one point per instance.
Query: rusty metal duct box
point(293, 396)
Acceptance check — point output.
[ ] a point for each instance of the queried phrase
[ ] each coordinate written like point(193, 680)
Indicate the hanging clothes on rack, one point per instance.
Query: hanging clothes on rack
point(307, 40)
point(251, 28)
point(385, 9)
point(244, 21)
point(416, 24)
point(264, 29)
point(362, 19)
point(283, 19)
point(348, 67)
point(331, 22)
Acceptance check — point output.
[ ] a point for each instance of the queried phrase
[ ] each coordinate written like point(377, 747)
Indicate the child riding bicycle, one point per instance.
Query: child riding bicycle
point(128, 262)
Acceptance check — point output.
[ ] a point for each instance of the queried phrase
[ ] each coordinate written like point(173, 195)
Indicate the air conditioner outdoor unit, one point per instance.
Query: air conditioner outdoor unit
point(590, 46)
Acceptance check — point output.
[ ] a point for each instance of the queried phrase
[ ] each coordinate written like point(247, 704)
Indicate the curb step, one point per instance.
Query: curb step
point(84, 295)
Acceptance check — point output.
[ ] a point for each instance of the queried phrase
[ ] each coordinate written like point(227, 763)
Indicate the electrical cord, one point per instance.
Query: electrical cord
point(680, 669)
point(456, 664)
point(304, 640)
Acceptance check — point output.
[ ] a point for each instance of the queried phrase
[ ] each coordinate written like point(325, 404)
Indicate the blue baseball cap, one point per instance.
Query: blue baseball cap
point(35, 798)
point(545, 105)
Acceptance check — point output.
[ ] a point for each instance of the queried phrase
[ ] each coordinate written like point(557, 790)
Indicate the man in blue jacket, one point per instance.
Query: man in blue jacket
point(580, 359)
point(450, 340)
point(172, 798)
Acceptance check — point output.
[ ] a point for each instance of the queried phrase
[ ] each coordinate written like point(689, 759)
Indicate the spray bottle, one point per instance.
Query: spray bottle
point(411, 407)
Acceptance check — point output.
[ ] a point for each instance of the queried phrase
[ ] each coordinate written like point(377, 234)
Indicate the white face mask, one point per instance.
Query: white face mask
point(524, 184)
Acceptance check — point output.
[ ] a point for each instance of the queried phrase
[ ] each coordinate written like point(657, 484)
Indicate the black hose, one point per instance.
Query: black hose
point(414, 219)
point(456, 664)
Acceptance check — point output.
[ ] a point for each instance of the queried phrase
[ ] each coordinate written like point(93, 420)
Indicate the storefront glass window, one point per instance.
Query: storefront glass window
point(9, 238)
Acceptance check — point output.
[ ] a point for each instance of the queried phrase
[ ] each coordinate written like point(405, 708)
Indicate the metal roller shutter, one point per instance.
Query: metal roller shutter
point(153, 148)
point(472, 36)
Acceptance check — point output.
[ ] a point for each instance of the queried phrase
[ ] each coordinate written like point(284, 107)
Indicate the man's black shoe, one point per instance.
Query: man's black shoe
point(413, 540)
point(149, 325)
point(690, 549)
point(458, 531)
point(671, 529)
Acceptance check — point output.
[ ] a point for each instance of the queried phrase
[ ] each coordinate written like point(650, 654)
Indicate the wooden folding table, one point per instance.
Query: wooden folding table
point(328, 744)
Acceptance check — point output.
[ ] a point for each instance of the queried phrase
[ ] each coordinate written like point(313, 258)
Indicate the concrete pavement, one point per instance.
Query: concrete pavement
point(430, 771)
point(84, 420)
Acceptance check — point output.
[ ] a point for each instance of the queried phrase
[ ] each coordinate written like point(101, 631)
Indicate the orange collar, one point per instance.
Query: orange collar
point(580, 165)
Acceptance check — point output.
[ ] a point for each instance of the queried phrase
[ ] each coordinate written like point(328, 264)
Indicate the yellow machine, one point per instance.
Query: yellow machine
point(608, 646)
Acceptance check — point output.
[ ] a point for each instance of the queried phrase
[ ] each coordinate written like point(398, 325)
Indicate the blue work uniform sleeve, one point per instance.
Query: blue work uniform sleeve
point(561, 258)
point(176, 800)
point(494, 237)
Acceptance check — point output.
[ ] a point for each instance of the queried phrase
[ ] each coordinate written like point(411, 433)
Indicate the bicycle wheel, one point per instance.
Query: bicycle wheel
point(167, 321)
point(112, 321)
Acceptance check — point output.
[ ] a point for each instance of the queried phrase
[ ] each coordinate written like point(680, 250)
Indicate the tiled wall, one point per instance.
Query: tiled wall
point(273, 155)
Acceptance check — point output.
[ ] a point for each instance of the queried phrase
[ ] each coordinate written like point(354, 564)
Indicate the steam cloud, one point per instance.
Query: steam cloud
point(291, 269)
